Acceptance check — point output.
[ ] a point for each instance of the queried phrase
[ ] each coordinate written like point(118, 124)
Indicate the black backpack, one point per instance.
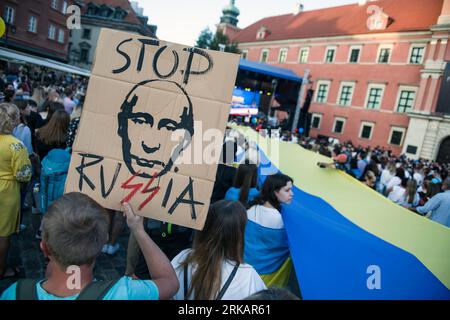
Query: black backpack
point(26, 290)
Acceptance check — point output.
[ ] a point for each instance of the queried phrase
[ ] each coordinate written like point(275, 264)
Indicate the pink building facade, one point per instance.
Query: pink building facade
point(374, 68)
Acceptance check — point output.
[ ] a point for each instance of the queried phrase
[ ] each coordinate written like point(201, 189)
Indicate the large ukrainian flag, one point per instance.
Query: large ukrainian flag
point(349, 242)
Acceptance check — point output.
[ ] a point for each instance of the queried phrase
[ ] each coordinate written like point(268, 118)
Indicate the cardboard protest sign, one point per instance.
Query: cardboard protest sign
point(146, 135)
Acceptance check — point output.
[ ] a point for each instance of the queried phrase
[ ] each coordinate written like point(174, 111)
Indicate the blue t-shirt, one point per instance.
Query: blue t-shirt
point(23, 133)
point(233, 194)
point(124, 289)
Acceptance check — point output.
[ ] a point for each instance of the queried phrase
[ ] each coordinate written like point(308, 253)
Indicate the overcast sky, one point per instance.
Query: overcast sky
point(181, 21)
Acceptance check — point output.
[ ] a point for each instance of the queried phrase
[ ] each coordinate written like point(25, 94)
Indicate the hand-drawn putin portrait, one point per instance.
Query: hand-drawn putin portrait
point(144, 156)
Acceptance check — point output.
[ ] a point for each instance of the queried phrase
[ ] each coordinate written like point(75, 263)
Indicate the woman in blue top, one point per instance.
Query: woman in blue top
point(244, 186)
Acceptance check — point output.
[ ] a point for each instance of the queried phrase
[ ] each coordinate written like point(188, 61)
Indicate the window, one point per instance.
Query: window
point(303, 56)
point(61, 36)
point(51, 32)
point(64, 7)
point(346, 93)
point(84, 55)
point(354, 54)
point(417, 54)
point(32, 24)
point(406, 99)
point(244, 54)
point(86, 33)
point(374, 96)
point(411, 149)
point(316, 120)
point(396, 136)
point(283, 56)
point(264, 55)
point(366, 130)
point(338, 126)
point(384, 54)
point(322, 91)
point(9, 15)
point(54, 4)
point(329, 57)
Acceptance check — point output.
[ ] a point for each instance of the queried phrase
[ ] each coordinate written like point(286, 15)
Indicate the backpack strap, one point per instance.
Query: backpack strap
point(26, 289)
point(222, 291)
point(227, 284)
point(185, 282)
point(96, 290)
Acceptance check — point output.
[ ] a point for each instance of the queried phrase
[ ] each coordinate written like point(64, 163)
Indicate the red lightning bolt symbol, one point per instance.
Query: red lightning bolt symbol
point(137, 186)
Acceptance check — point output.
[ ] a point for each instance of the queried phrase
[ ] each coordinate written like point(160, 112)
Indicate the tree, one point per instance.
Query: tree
point(205, 38)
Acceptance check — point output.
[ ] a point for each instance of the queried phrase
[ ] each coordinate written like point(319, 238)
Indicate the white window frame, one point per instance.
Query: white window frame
point(400, 129)
point(61, 36)
point(300, 55)
point(369, 124)
point(54, 4)
point(51, 35)
point(385, 46)
point(244, 52)
point(261, 56)
point(350, 53)
point(399, 94)
point(336, 119)
point(346, 84)
point(316, 115)
point(319, 83)
point(279, 55)
point(9, 15)
point(374, 86)
point(413, 46)
point(64, 7)
point(326, 53)
point(33, 26)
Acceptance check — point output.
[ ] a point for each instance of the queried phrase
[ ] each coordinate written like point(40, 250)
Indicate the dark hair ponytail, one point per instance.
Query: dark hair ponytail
point(245, 178)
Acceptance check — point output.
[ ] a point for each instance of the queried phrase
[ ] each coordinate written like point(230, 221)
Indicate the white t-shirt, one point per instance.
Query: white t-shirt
point(397, 194)
point(395, 181)
point(407, 174)
point(266, 217)
point(386, 176)
point(418, 177)
point(245, 283)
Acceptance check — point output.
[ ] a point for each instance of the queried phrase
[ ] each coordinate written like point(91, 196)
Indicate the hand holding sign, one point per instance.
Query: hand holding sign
point(134, 222)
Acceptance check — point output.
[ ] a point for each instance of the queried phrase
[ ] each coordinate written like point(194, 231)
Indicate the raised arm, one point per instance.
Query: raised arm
point(159, 266)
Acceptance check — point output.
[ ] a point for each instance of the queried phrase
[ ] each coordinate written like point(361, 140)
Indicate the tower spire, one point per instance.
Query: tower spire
point(230, 14)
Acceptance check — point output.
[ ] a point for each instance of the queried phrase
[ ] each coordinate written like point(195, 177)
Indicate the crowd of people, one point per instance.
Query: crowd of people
point(419, 185)
point(242, 251)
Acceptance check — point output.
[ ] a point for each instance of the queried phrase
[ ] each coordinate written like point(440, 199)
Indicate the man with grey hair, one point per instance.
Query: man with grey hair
point(75, 228)
point(439, 205)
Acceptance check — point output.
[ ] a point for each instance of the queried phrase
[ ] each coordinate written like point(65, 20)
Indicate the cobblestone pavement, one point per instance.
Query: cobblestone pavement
point(26, 254)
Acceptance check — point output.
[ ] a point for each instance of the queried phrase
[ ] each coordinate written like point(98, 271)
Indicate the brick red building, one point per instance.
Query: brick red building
point(376, 67)
point(97, 14)
point(37, 27)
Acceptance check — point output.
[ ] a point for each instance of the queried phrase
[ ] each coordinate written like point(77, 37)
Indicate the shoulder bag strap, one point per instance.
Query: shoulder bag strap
point(185, 281)
point(229, 280)
point(26, 289)
point(96, 290)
